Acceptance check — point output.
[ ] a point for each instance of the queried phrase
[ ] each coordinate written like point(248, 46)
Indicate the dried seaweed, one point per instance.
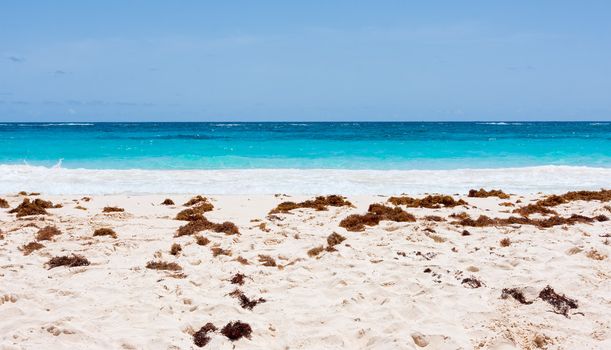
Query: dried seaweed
point(175, 249)
point(236, 330)
point(315, 251)
point(238, 279)
point(3, 203)
point(113, 210)
point(267, 260)
point(216, 251)
point(196, 200)
point(201, 224)
point(27, 208)
point(484, 221)
point(561, 303)
point(430, 201)
point(47, 233)
point(516, 294)
point(104, 231)
point(534, 208)
point(194, 213)
point(201, 338)
point(31, 247)
point(505, 242)
point(471, 282)
point(167, 201)
point(375, 214)
point(200, 240)
point(554, 200)
point(163, 265)
point(335, 239)
point(434, 218)
point(482, 193)
point(242, 260)
point(68, 261)
point(320, 203)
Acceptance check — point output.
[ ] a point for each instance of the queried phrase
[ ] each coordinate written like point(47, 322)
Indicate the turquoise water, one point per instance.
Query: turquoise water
point(381, 146)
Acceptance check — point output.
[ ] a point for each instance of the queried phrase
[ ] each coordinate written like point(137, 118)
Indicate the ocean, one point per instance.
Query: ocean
point(354, 157)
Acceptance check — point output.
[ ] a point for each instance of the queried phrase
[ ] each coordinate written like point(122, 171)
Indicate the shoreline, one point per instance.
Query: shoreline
point(527, 180)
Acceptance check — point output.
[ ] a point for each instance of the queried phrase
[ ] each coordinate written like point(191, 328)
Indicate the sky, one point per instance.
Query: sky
point(315, 60)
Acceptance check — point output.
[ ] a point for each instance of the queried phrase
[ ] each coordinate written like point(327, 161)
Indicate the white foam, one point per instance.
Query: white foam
point(15, 178)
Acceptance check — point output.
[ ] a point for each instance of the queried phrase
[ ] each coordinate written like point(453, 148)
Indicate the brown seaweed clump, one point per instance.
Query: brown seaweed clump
point(534, 208)
point(505, 242)
point(335, 239)
point(236, 330)
point(319, 203)
point(201, 338)
point(163, 265)
point(201, 224)
point(471, 282)
point(31, 247)
point(201, 240)
point(267, 260)
point(554, 200)
point(315, 251)
point(484, 221)
point(196, 200)
point(375, 214)
point(430, 201)
point(482, 193)
point(216, 251)
point(246, 302)
point(167, 201)
point(27, 208)
point(175, 249)
point(3, 203)
point(68, 261)
point(516, 294)
point(105, 232)
point(561, 303)
point(238, 279)
point(112, 210)
point(47, 233)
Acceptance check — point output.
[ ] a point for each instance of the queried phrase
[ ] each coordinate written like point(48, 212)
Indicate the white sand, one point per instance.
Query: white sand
point(372, 293)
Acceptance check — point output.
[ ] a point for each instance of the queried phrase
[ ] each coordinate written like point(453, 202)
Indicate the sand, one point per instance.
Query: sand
point(397, 285)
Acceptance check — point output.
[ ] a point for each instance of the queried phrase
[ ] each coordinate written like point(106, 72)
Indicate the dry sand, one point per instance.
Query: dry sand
point(397, 285)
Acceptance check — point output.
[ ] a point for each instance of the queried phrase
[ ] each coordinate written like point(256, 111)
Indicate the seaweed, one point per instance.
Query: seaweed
point(267, 260)
point(27, 208)
point(104, 231)
point(216, 251)
point(485, 221)
point(201, 224)
point(551, 201)
point(167, 201)
point(315, 251)
point(175, 249)
point(505, 242)
point(200, 240)
point(516, 294)
point(534, 208)
point(465, 233)
point(430, 201)
point(196, 200)
point(471, 282)
point(112, 210)
point(319, 203)
point(3, 203)
point(163, 265)
point(31, 247)
point(68, 261)
point(242, 260)
point(238, 279)
point(561, 303)
point(434, 218)
point(201, 338)
point(246, 302)
point(46, 233)
point(335, 239)
point(236, 330)
point(482, 193)
point(375, 214)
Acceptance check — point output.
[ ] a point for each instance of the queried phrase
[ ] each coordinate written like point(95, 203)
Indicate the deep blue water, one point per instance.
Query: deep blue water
point(345, 145)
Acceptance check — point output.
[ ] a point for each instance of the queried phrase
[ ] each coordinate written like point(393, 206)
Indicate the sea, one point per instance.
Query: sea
point(304, 157)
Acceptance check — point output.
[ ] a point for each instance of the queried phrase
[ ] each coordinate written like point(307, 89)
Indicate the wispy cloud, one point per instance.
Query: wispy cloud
point(16, 59)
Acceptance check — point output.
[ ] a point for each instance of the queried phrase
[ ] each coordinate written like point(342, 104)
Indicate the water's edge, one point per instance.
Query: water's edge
point(547, 179)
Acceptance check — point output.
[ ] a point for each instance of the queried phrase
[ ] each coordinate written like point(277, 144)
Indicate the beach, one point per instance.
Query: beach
point(335, 272)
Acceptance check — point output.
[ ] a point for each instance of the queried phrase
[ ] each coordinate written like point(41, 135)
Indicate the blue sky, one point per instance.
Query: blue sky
point(306, 60)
